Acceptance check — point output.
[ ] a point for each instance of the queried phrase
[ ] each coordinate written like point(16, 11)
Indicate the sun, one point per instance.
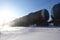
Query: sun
point(6, 15)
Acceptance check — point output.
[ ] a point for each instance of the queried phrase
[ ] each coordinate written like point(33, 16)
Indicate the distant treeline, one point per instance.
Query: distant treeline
point(39, 18)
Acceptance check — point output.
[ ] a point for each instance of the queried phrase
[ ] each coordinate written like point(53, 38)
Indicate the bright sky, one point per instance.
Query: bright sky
point(10, 9)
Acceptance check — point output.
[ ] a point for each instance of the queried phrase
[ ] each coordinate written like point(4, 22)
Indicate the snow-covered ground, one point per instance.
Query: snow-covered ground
point(30, 33)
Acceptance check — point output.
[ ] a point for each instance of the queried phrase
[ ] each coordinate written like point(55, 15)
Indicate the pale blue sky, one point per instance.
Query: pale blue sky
point(23, 7)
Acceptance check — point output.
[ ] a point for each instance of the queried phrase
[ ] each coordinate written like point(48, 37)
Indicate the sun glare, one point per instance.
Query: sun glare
point(6, 16)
